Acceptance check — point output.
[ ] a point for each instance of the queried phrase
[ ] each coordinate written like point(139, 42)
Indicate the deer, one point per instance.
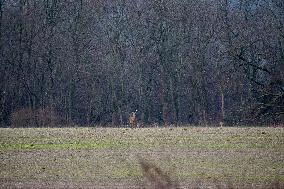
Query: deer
point(132, 119)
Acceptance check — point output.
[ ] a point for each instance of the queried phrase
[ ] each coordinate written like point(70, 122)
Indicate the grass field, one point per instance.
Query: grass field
point(108, 157)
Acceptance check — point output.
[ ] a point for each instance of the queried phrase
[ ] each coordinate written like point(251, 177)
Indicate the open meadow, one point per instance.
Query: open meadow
point(201, 157)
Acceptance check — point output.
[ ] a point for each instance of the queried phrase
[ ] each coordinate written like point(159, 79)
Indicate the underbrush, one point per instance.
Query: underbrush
point(41, 117)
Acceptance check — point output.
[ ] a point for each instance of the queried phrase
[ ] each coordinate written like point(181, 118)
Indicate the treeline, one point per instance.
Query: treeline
point(175, 61)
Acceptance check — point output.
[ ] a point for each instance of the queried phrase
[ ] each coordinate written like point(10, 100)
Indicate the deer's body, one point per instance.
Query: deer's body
point(132, 119)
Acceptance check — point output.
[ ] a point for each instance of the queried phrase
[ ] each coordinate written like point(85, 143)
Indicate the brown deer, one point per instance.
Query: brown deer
point(132, 119)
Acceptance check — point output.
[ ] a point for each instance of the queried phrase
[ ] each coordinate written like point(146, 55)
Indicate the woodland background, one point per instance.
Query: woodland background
point(92, 62)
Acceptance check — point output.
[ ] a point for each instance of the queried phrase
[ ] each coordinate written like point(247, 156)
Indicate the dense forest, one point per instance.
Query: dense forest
point(92, 62)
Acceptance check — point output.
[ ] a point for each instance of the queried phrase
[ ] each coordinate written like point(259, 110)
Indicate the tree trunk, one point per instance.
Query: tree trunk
point(222, 104)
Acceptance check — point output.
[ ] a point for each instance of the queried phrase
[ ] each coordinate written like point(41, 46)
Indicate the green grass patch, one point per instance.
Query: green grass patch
point(57, 146)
